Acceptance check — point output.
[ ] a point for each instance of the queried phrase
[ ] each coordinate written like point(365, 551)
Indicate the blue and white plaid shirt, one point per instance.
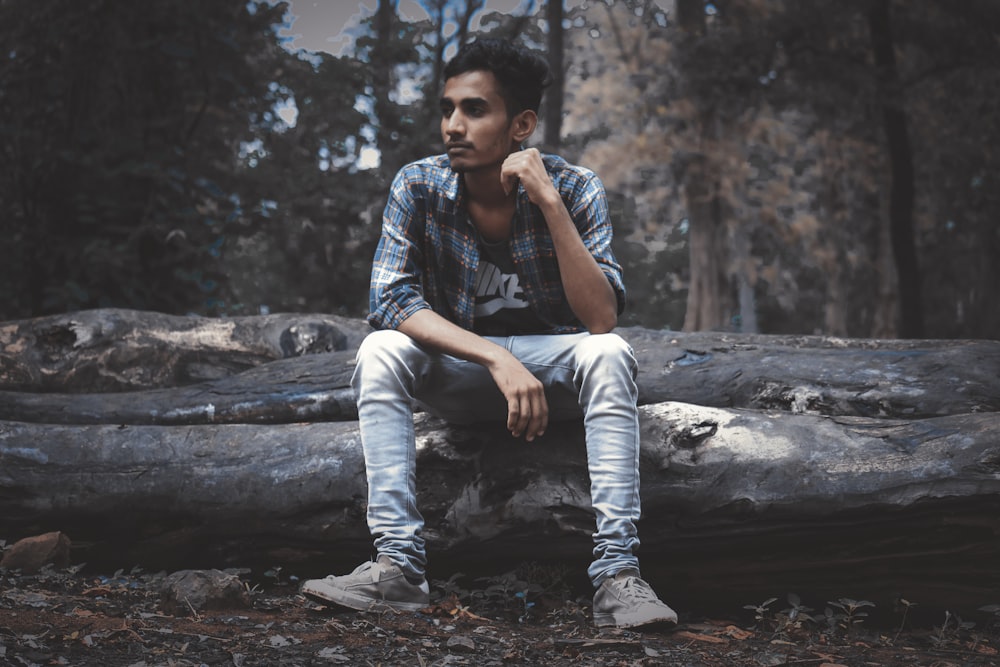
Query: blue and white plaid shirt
point(427, 256)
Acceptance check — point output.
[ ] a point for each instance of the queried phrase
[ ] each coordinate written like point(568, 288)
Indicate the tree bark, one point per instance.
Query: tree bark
point(127, 350)
point(805, 374)
point(901, 192)
point(691, 16)
point(769, 463)
point(249, 494)
point(710, 298)
point(554, 94)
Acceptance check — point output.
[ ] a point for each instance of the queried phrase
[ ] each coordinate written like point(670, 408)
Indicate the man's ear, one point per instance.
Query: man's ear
point(523, 125)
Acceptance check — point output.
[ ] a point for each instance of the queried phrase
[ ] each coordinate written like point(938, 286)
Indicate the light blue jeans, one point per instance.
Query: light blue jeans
point(589, 376)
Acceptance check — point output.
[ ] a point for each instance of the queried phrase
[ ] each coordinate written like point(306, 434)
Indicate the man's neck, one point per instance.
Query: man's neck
point(483, 188)
point(490, 208)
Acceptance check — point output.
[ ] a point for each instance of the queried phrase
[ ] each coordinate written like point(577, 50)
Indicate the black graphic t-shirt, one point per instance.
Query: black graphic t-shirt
point(501, 308)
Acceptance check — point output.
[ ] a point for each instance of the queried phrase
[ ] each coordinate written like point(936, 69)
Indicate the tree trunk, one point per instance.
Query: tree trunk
point(464, 20)
point(709, 299)
point(554, 93)
point(381, 63)
point(691, 16)
point(901, 193)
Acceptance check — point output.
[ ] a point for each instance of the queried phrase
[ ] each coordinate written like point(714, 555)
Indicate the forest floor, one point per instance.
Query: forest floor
point(69, 617)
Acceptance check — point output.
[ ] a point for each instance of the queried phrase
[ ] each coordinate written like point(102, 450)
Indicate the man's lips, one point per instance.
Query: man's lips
point(457, 146)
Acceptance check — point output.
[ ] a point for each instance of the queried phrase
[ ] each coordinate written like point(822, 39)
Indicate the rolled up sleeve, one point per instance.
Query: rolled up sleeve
point(396, 290)
point(593, 220)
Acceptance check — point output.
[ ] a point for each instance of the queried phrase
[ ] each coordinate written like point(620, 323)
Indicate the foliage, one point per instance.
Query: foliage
point(119, 126)
point(762, 614)
point(952, 630)
point(301, 242)
point(793, 618)
point(150, 160)
point(120, 618)
point(516, 592)
point(846, 614)
point(755, 132)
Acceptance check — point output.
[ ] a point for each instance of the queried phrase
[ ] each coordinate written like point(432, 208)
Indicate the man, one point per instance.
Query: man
point(493, 293)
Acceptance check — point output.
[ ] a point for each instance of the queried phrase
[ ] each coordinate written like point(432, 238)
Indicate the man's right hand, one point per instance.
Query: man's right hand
point(527, 409)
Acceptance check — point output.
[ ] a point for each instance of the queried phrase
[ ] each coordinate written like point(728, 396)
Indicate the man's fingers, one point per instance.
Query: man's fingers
point(517, 165)
point(516, 417)
point(527, 410)
point(509, 183)
point(509, 176)
point(528, 415)
point(539, 419)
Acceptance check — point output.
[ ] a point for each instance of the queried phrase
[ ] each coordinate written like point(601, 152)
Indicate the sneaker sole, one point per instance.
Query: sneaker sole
point(610, 621)
point(359, 602)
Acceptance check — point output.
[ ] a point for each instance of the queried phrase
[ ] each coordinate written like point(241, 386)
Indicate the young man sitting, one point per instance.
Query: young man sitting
point(494, 291)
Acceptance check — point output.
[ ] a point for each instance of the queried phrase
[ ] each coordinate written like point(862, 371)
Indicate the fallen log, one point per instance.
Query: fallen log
point(126, 350)
point(826, 375)
point(164, 440)
point(315, 387)
point(910, 379)
point(772, 494)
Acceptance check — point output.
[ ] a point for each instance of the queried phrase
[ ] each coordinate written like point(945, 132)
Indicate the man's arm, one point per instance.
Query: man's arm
point(397, 303)
point(527, 409)
point(587, 289)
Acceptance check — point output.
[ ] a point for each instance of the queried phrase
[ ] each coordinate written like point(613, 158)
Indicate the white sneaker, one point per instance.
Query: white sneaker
point(372, 586)
point(626, 601)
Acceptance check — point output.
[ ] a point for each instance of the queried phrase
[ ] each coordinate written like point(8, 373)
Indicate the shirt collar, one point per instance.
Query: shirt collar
point(453, 181)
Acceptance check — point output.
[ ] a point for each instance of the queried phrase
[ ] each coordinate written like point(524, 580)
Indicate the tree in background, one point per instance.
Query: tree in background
point(119, 134)
point(900, 157)
point(554, 13)
point(949, 70)
point(177, 157)
point(770, 116)
point(616, 122)
point(301, 241)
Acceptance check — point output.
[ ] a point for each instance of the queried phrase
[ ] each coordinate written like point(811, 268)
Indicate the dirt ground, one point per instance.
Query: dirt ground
point(526, 617)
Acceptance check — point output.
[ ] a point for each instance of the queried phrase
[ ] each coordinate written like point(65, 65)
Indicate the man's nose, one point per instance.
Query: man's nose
point(455, 123)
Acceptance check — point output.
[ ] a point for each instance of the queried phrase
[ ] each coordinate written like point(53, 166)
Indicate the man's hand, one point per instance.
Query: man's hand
point(527, 409)
point(527, 168)
point(587, 290)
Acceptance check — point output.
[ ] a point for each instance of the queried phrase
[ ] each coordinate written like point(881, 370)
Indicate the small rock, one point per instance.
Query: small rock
point(32, 553)
point(202, 590)
point(462, 643)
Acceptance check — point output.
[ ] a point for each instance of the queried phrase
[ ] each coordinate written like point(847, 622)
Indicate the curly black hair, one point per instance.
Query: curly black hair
point(523, 74)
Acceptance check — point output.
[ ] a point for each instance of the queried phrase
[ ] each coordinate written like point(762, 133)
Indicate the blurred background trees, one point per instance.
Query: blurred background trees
point(788, 166)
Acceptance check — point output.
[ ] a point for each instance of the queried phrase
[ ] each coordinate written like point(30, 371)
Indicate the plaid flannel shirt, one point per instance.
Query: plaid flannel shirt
point(427, 256)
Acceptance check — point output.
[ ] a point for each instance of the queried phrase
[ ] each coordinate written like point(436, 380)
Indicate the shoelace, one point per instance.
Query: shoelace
point(364, 567)
point(637, 589)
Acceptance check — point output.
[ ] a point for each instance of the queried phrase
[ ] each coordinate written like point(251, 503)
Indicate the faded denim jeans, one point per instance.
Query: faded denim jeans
point(588, 376)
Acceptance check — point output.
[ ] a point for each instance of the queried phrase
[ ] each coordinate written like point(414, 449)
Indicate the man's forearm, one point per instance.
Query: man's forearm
point(527, 409)
point(587, 289)
point(588, 292)
point(437, 333)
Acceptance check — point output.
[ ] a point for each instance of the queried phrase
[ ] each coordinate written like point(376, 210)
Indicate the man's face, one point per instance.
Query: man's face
point(474, 125)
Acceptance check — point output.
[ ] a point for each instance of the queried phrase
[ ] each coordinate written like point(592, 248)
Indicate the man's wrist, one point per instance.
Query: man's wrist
point(551, 202)
point(494, 355)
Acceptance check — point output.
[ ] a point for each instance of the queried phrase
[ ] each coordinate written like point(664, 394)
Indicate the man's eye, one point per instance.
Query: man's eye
point(446, 111)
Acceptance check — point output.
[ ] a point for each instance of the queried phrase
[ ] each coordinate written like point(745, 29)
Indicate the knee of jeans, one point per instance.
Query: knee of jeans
point(602, 349)
point(384, 349)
